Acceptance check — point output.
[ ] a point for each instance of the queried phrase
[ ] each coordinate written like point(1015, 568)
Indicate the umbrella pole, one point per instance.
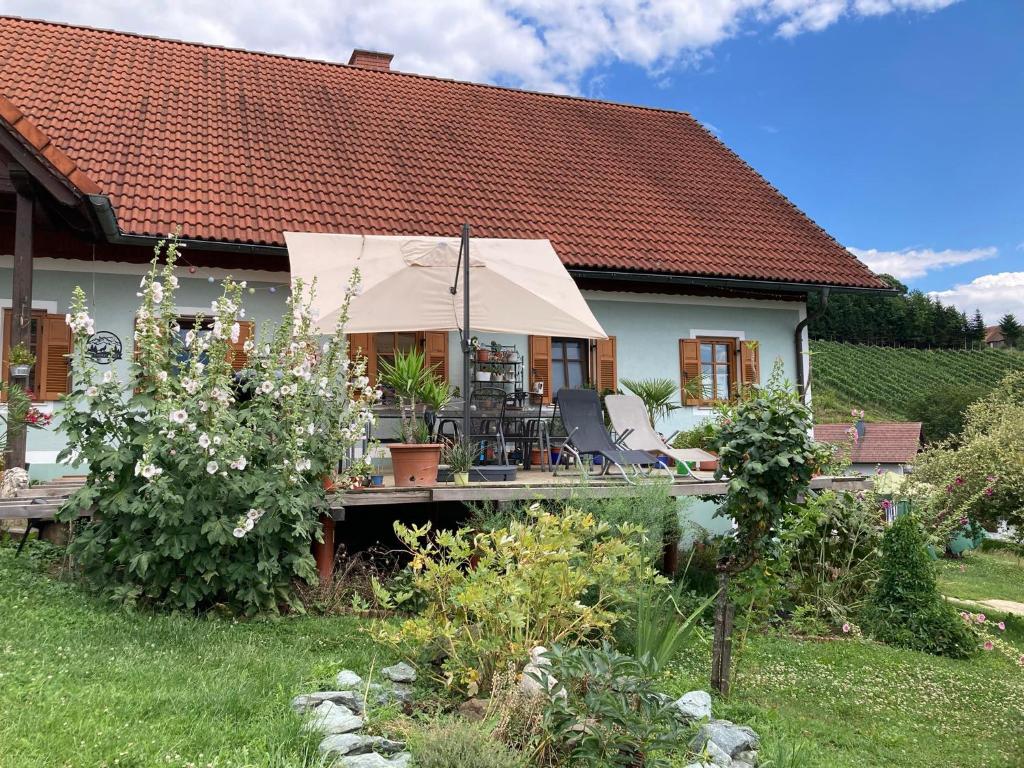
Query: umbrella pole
point(466, 336)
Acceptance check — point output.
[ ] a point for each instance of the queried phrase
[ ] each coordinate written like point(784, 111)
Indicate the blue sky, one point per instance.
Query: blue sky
point(895, 124)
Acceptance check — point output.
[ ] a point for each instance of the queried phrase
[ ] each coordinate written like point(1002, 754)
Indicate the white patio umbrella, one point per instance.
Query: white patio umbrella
point(514, 286)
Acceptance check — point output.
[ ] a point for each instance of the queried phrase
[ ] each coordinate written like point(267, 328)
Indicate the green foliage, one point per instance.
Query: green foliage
point(662, 625)
point(700, 436)
point(435, 393)
point(766, 453)
point(456, 743)
point(942, 409)
point(458, 455)
point(409, 378)
point(610, 713)
point(205, 497)
point(980, 478)
point(1011, 330)
point(884, 380)
point(487, 598)
point(905, 608)
point(19, 354)
point(658, 396)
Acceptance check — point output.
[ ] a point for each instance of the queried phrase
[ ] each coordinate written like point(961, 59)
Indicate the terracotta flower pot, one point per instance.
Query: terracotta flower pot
point(709, 466)
point(415, 464)
point(483, 355)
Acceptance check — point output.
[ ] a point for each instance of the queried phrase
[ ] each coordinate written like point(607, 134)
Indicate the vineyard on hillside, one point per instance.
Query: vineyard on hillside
point(884, 381)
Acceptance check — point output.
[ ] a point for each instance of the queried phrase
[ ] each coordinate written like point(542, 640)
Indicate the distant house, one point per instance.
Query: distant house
point(885, 446)
point(994, 338)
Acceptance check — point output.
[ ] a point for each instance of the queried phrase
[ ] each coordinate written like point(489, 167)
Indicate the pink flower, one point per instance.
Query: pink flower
point(988, 645)
point(1002, 626)
point(989, 491)
point(846, 629)
point(959, 481)
point(964, 521)
point(980, 618)
point(1021, 660)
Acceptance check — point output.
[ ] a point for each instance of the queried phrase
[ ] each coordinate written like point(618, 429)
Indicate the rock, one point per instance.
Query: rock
point(308, 701)
point(537, 657)
point(695, 705)
point(538, 666)
point(373, 760)
point(700, 765)
point(402, 693)
point(333, 718)
point(744, 759)
point(474, 710)
point(733, 739)
point(355, 744)
point(717, 755)
point(400, 673)
point(347, 680)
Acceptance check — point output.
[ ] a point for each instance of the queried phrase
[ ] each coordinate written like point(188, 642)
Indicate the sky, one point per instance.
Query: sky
point(895, 124)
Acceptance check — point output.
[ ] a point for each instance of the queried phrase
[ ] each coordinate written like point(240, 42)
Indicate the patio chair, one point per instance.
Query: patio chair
point(586, 436)
point(633, 426)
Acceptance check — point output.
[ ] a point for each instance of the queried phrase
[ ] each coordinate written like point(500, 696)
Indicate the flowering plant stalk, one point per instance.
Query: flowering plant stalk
point(206, 482)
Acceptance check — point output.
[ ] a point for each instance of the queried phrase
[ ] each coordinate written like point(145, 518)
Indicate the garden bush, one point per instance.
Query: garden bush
point(905, 608)
point(456, 743)
point(485, 599)
point(605, 711)
point(206, 483)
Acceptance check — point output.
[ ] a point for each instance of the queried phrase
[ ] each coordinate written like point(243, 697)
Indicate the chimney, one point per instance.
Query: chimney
point(371, 60)
point(861, 428)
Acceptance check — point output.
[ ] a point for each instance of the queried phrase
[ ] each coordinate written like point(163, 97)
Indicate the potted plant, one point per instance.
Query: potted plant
point(483, 373)
point(483, 354)
point(414, 460)
point(436, 394)
point(21, 361)
point(459, 458)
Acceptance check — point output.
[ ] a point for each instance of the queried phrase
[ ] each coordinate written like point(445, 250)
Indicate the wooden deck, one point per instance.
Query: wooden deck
point(41, 502)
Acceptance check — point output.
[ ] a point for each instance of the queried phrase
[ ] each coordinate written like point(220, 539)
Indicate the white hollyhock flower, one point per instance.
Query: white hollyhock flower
point(216, 439)
point(240, 463)
point(91, 392)
point(236, 331)
point(204, 440)
point(310, 428)
point(190, 337)
point(239, 532)
point(303, 465)
point(249, 524)
point(158, 293)
point(218, 330)
point(172, 281)
point(267, 387)
point(161, 376)
point(150, 471)
point(212, 467)
point(178, 417)
point(254, 514)
point(108, 376)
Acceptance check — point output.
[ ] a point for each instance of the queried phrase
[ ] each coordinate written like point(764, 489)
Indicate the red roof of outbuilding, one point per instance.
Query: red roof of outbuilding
point(894, 442)
point(238, 146)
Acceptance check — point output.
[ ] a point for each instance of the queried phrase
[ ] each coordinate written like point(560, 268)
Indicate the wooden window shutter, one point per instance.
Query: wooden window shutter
point(750, 363)
point(237, 355)
point(54, 363)
point(689, 371)
point(606, 377)
point(361, 345)
point(540, 365)
point(435, 348)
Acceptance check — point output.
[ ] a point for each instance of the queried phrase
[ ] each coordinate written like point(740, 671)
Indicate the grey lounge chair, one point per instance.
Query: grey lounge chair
point(630, 421)
point(583, 419)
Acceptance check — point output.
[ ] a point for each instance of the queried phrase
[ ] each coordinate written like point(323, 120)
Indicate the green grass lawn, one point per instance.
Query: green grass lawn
point(86, 684)
point(984, 575)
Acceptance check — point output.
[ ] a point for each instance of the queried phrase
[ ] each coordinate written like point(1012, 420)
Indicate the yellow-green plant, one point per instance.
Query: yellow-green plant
point(488, 598)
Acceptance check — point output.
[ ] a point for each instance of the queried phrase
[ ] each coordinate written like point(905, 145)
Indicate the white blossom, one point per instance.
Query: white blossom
point(91, 392)
point(157, 292)
point(267, 387)
point(236, 331)
point(204, 441)
point(179, 416)
point(254, 514)
point(161, 376)
point(248, 524)
point(211, 467)
point(240, 463)
point(239, 532)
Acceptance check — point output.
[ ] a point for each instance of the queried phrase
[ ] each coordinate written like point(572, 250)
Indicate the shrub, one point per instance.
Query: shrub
point(456, 743)
point(942, 410)
point(206, 484)
point(905, 608)
point(488, 598)
point(610, 713)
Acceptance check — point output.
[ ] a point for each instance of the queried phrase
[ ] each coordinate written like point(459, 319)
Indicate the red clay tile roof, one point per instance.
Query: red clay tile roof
point(994, 335)
point(883, 442)
point(239, 146)
point(40, 143)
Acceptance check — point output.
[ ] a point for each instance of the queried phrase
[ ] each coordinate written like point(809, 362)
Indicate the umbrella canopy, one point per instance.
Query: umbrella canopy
point(516, 286)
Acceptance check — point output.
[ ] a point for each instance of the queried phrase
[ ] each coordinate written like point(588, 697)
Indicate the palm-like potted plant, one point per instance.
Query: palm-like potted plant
point(436, 394)
point(459, 458)
point(657, 394)
point(414, 460)
point(21, 361)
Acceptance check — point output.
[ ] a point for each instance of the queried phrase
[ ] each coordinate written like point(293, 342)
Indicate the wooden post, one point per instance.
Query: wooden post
point(21, 302)
point(721, 650)
point(323, 551)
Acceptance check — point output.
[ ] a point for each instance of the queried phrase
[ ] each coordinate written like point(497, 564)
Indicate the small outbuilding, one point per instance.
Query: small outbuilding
point(885, 446)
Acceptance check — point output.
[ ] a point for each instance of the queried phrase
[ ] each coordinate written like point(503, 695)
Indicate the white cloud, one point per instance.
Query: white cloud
point(994, 295)
point(543, 44)
point(911, 263)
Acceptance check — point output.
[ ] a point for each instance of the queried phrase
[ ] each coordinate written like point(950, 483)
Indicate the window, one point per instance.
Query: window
point(49, 339)
point(236, 353)
point(714, 369)
point(717, 378)
point(569, 364)
point(387, 344)
point(382, 346)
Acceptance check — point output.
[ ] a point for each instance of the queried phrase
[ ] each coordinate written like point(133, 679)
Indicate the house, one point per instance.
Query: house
point(878, 446)
point(994, 338)
point(108, 141)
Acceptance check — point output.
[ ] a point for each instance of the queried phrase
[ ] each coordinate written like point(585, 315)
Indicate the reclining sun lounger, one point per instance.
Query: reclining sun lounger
point(630, 421)
point(586, 435)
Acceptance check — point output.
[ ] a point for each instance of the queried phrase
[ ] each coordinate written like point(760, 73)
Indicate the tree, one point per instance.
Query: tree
point(942, 409)
point(766, 452)
point(1011, 330)
point(976, 330)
